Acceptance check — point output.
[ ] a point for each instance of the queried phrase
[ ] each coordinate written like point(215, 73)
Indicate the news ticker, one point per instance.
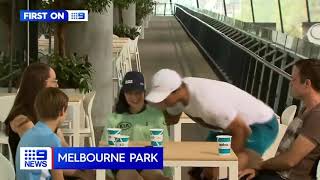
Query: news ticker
point(34, 158)
point(53, 15)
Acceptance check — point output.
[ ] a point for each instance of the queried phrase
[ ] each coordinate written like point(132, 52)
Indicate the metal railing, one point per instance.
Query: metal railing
point(254, 64)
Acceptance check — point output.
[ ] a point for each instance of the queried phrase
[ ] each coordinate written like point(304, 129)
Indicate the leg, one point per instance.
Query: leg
point(211, 173)
point(128, 174)
point(195, 173)
point(153, 175)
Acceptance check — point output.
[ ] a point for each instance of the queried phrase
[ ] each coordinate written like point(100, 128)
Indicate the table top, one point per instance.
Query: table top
point(190, 151)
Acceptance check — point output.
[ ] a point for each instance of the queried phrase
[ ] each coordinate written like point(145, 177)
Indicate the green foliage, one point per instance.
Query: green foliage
point(123, 4)
point(123, 30)
point(97, 6)
point(143, 8)
point(6, 75)
point(72, 72)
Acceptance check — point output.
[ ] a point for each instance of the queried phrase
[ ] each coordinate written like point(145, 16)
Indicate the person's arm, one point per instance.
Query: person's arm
point(20, 124)
point(300, 148)
point(57, 175)
point(240, 131)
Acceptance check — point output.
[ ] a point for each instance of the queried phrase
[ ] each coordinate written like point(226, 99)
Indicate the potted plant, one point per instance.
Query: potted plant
point(143, 9)
point(8, 78)
point(73, 72)
point(123, 30)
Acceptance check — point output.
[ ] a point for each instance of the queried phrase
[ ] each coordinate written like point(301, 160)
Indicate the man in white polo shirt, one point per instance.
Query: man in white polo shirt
point(217, 105)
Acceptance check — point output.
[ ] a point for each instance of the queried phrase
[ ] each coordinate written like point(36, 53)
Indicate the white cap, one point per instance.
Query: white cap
point(163, 83)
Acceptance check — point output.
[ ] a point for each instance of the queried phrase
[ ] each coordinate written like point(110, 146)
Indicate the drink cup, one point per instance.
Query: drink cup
point(224, 144)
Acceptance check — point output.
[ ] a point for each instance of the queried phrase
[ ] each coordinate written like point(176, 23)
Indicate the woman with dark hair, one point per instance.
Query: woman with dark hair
point(135, 118)
point(22, 115)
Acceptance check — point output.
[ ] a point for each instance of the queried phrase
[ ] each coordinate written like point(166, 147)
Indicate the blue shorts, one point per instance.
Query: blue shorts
point(261, 138)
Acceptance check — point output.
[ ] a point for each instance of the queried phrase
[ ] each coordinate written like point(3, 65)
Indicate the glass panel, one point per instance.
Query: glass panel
point(206, 4)
point(218, 7)
point(294, 13)
point(266, 13)
point(239, 9)
point(314, 8)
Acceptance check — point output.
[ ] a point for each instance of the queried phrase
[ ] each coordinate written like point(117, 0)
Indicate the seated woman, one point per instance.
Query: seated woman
point(22, 116)
point(135, 118)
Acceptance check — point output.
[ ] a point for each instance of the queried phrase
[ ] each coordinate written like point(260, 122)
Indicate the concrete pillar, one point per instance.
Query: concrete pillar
point(94, 38)
point(116, 18)
point(129, 15)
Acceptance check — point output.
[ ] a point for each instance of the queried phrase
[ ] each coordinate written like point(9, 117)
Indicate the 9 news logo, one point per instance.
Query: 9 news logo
point(35, 158)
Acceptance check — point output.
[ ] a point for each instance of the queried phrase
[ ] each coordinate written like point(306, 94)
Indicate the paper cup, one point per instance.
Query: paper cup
point(121, 140)
point(111, 133)
point(156, 137)
point(224, 142)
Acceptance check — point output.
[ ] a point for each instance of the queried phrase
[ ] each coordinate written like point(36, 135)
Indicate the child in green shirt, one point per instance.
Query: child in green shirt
point(136, 118)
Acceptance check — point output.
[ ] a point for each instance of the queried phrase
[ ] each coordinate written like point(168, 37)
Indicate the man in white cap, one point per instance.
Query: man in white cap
point(217, 105)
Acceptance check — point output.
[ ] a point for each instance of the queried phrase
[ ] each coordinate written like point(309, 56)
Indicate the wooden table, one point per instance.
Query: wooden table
point(193, 154)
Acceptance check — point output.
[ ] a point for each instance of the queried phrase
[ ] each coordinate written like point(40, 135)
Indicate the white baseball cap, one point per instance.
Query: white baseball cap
point(163, 83)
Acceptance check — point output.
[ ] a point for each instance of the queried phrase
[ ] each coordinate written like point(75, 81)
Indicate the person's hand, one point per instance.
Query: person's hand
point(61, 137)
point(248, 173)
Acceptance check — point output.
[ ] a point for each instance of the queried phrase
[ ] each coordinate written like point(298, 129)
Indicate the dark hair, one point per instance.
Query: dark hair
point(309, 69)
point(122, 105)
point(33, 80)
point(50, 102)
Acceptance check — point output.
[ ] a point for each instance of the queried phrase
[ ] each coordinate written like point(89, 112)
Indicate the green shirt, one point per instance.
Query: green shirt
point(137, 126)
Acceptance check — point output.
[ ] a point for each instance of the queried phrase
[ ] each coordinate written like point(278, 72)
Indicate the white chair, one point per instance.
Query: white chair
point(88, 130)
point(133, 47)
point(87, 105)
point(6, 168)
point(115, 36)
point(6, 103)
point(288, 115)
point(272, 150)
